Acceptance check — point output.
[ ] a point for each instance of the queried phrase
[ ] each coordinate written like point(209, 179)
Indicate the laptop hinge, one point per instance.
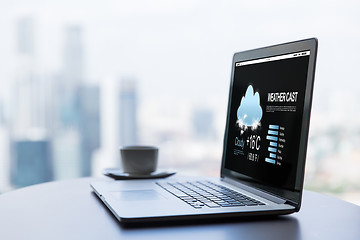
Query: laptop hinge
point(255, 191)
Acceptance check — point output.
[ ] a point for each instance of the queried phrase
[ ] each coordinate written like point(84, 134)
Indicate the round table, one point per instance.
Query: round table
point(70, 210)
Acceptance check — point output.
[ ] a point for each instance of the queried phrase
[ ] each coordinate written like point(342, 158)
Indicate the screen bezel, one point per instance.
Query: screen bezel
point(292, 197)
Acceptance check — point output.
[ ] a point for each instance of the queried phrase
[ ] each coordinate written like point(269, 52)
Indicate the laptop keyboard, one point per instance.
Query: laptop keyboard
point(201, 194)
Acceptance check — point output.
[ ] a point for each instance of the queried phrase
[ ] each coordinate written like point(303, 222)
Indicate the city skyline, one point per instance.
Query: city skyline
point(180, 56)
point(52, 114)
point(57, 141)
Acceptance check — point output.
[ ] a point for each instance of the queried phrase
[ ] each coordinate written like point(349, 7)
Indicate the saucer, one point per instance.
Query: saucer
point(118, 174)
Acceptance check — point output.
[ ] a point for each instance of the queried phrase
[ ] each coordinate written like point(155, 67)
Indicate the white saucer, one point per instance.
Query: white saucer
point(118, 174)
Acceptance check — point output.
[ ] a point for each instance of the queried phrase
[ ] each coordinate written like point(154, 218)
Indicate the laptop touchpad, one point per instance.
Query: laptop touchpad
point(136, 195)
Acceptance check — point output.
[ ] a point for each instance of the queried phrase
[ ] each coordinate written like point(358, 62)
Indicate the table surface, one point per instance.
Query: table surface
point(70, 210)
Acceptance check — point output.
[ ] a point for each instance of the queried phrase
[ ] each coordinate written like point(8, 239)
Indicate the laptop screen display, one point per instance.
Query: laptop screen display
point(264, 128)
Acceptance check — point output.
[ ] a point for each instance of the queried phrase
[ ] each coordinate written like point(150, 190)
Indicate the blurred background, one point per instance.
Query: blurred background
point(81, 78)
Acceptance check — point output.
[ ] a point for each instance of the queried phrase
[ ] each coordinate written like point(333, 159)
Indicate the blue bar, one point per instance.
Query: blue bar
point(270, 160)
point(272, 155)
point(272, 149)
point(273, 144)
point(272, 138)
point(272, 132)
point(274, 127)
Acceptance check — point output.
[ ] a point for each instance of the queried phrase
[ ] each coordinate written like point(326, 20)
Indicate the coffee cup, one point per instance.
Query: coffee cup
point(139, 160)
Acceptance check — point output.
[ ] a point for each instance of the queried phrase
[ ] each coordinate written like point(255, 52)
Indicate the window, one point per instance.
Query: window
point(81, 78)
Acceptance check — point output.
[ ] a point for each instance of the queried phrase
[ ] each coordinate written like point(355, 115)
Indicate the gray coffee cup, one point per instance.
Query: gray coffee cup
point(139, 159)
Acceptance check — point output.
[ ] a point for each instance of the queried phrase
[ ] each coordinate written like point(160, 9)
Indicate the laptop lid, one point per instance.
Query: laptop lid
point(268, 118)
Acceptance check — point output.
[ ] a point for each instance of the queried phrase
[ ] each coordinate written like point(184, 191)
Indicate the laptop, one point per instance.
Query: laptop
point(264, 147)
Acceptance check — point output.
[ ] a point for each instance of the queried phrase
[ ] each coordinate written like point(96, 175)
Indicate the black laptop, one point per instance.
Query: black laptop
point(264, 151)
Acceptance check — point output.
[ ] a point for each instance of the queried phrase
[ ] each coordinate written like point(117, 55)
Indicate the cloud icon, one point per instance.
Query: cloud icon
point(249, 113)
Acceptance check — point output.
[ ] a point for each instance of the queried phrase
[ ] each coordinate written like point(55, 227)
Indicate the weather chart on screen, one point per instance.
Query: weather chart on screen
point(267, 103)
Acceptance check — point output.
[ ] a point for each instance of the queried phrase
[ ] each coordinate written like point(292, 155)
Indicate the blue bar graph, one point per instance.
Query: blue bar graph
point(271, 138)
point(270, 149)
point(270, 160)
point(276, 127)
point(272, 132)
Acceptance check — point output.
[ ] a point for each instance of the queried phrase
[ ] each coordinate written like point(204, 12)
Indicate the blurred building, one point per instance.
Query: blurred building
point(29, 92)
point(73, 65)
point(128, 130)
point(33, 102)
point(30, 143)
point(89, 125)
point(78, 112)
point(66, 150)
point(72, 76)
point(31, 162)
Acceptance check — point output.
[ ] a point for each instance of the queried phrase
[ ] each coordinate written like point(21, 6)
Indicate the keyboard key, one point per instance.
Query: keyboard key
point(212, 204)
point(251, 204)
point(225, 205)
point(237, 204)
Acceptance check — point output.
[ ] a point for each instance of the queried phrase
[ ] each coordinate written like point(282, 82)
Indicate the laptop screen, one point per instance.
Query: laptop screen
point(265, 118)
